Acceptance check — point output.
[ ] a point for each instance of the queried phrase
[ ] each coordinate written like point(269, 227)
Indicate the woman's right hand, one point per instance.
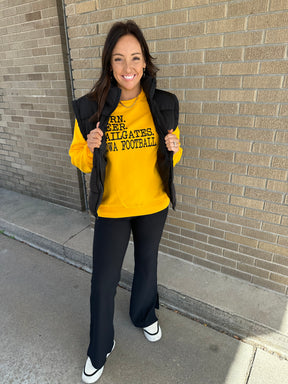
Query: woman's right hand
point(94, 138)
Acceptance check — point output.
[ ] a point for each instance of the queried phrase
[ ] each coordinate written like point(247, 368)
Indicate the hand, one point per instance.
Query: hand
point(94, 138)
point(172, 142)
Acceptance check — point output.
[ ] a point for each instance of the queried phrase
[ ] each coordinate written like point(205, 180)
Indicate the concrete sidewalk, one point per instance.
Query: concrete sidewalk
point(257, 316)
point(44, 321)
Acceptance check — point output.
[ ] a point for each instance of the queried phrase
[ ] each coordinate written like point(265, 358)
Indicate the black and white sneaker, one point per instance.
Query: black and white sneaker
point(90, 374)
point(153, 332)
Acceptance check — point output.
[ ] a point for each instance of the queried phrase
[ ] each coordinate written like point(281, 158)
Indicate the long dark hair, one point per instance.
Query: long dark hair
point(101, 88)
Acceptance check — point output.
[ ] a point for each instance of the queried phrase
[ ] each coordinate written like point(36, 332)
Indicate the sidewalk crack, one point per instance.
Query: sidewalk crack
point(251, 366)
point(76, 234)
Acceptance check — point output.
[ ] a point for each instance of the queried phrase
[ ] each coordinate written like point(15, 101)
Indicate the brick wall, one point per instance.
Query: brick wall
point(35, 124)
point(227, 63)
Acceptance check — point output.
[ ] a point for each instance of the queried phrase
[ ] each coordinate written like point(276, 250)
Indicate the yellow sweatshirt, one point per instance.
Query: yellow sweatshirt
point(132, 186)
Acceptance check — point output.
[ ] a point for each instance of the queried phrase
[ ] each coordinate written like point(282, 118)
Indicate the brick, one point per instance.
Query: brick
point(281, 260)
point(271, 123)
point(283, 110)
point(239, 68)
point(202, 42)
point(206, 264)
point(213, 196)
point(255, 253)
point(278, 5)
point(231, 168)
point(187, 30)
point(248, 181)
point(234, 145)
point(70, 9)
point(186, 83)
point(216, 132)
point(213, 176)
point(269, 284)
point(156, 6)
point(167, 71)
point(239, 257)
point(207, 13)
point(81, 19)
point(278, 96)
point(277, 67)
point(275, 36)
point(279, 278)
point(203, 69)
point(278, 162)
point(253, 270)
point(186, 57)
point(223, 82)
point(283, 241)
point(221, 260)
point(248, 158)
point(243, 38)
point(264, 216)
point(277, 229)
point(226, 227)
point(158, 33)
point(228, 189)
point(276, 174)
point(168, 45)
point(260, 235)
point(262, 82)
point(100, 16)
point(254, 134)
point(226, 26)
point(202, 95)
point(265, 53)
point(258, 109)
point(275, 149)
point(104, 4)
point(176, 17)
point(236, 121)
point(223, 55)
point(272, 266)
point(281, 137)
point(246, 202)
point(247, 7)
point(188, 3)
point(237, 95)
point(220, 108)
point(277, 208)
point(33, 16)
point(268, 21)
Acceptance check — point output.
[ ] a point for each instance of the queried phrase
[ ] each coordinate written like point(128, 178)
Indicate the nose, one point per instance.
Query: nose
point(128, 67)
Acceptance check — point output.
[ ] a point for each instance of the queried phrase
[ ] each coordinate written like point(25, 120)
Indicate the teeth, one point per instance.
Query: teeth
point(129, 77)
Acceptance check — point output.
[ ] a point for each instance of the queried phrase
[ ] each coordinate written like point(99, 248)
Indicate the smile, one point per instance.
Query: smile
point(130, 77)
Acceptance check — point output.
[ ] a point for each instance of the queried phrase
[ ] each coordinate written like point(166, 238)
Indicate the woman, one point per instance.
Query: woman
point(126, 134)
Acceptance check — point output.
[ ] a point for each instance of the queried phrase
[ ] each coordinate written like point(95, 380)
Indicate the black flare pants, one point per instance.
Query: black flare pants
point(111, 238)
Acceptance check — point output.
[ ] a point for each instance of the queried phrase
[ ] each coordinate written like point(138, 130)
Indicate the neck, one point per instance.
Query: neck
point(128, 96)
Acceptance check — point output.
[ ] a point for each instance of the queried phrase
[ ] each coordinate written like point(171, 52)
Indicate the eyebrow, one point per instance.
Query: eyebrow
point(120, 54)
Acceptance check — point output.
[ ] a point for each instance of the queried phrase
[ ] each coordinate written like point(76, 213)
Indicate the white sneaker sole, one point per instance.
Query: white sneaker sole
point(91, 379)
point(153, 336)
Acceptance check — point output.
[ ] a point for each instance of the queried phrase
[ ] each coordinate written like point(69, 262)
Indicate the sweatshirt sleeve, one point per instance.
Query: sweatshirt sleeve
point(177, 156)
point(80, 154)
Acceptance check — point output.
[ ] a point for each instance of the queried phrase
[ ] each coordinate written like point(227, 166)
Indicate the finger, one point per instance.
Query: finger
point(98, 129)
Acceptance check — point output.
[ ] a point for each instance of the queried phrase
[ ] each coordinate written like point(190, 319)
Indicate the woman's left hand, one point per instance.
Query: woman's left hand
point(172, 142)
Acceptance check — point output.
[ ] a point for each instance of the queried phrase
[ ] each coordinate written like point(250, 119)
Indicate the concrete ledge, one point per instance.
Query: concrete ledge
point(256, 315)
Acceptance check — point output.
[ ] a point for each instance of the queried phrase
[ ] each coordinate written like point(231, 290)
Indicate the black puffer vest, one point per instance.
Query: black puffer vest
point(164, 108)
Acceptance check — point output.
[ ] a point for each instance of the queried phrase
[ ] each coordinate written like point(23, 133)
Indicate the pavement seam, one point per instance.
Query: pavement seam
point(75, 234)
point(251, 363)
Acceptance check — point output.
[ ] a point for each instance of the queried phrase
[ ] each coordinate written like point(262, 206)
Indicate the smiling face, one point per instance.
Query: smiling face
point(127, 63)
